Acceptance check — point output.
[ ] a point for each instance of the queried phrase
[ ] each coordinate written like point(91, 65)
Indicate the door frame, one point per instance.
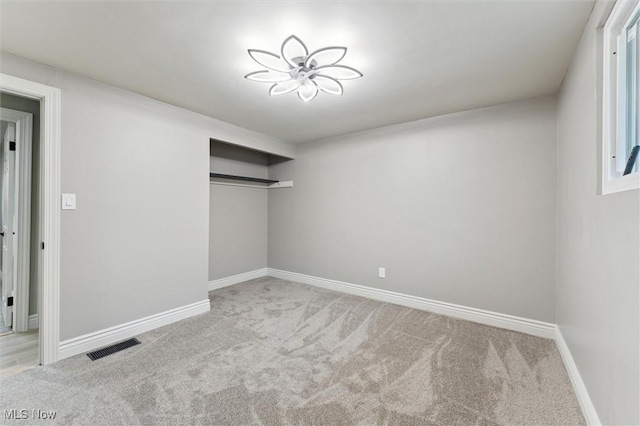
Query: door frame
point(49, 289)
point(22, 221)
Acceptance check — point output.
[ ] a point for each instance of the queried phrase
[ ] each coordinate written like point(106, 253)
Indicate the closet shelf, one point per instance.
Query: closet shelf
point(244, 178)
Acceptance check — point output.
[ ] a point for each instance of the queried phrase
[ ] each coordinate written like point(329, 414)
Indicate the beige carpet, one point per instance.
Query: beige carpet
point(273, 352)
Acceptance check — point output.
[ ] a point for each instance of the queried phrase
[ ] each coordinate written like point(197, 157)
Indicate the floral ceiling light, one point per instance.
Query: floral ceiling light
point(295, 70)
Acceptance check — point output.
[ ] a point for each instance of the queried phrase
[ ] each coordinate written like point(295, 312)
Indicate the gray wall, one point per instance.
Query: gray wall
point(138, 243)
point(237, 215)
point(459, 208)
point(29, 105)
point(598, 250)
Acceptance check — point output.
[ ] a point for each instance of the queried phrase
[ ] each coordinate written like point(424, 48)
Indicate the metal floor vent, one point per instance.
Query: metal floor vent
point(101, 353)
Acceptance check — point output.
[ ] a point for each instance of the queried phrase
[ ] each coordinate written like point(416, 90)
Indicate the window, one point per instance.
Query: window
point(621, 87)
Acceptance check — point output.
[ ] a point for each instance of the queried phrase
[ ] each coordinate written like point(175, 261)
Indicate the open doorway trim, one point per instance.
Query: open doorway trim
point(49, 294)
point(23, 122)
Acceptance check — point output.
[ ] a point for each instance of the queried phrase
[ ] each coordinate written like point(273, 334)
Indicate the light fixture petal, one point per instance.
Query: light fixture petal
point(293, 48)
point(327, 84)
point(326, 56)
point(284, 87)
point(268, 76)
point(339, 72)
point(268, 60)
point(307, 91)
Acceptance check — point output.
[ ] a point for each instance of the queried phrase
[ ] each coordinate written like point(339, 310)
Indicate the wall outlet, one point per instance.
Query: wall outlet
point(382, 273)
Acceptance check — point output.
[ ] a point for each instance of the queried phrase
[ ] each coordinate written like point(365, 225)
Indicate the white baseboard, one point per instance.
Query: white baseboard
point(588, 409)
point(235, 279)
point(509, 322)
point(33, 322)
point(98, 339)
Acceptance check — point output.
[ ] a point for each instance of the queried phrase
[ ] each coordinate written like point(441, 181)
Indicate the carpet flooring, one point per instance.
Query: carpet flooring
point(273, 352)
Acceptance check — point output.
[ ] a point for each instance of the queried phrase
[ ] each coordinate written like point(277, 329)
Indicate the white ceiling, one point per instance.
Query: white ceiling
point(419, 59)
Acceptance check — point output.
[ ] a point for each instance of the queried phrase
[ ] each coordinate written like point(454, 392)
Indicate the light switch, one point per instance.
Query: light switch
point(68, 201)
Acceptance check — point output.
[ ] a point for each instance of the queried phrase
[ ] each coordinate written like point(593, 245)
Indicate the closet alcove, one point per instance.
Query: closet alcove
point(238, 208)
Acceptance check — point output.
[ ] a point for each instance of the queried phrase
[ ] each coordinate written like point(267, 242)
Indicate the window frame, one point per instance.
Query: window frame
point(614, 83)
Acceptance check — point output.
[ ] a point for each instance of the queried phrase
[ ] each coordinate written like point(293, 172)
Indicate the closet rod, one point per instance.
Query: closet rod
point(244, 185)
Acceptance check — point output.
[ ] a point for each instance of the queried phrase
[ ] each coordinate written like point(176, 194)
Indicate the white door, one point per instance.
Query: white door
point(8, 211)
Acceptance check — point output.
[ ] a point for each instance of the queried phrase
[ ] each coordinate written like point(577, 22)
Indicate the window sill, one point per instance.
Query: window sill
point(622, 183)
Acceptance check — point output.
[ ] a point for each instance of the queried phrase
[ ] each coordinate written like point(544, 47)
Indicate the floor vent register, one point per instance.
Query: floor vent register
point(101, 353)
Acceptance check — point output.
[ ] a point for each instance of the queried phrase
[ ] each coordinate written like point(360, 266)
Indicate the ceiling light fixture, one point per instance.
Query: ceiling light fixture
point(297, 70)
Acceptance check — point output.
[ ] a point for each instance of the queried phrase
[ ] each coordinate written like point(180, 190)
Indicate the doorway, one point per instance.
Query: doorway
point(19, 278)
point(49, 208)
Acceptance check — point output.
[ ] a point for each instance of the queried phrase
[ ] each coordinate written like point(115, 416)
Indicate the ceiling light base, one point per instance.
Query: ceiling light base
point(304, 73)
